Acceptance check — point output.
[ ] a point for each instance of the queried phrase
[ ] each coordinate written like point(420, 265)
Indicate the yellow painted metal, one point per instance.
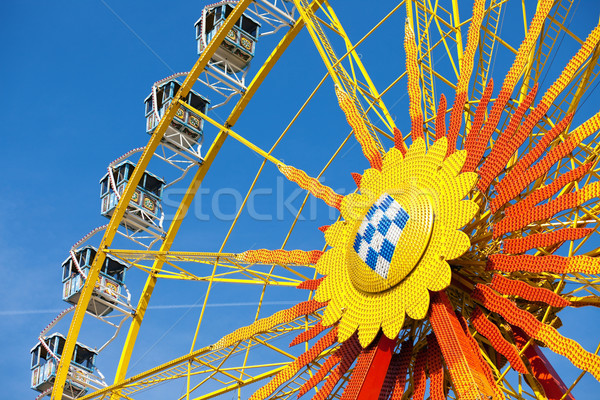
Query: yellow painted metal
point(425, 66)
point(285, 131)
point(111, 230)
point(553, 26)
point(276, 349)
point(352, 49)
point(290, 230)
point(241, 384)
point(499, 40)
point(486, 48)
point(584, 82)
point(205, 360)
point(293, 224)
point(171, 233)
point(334, 75)
point(570, 100)
point(253, 276)
point(526, 72)
point(459, 42)
point(234, 135)
point(190, 193)
point(243, 378)
point(336, 70)
point(269, 280)
point(300, 23)
point(314, 5)
point(130, 255)
point(192, 256)
point(445, 28)
point(231, 264)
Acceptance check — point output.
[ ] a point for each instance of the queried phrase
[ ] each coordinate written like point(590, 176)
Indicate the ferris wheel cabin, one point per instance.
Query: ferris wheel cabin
point(109, 286)
point(144, 207)
point(185, 131)
point(44, 365)
point(237, 49)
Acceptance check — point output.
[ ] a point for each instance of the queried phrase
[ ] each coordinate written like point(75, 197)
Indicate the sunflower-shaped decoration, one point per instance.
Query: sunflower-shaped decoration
point(441, 265)
point(394, 241)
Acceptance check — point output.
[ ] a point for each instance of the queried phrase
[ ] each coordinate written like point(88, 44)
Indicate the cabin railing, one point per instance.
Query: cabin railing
point(235, 36)
point(140, 201)
point(43, 373)
point(108, 287)
point(78, 377)
point(183, 116)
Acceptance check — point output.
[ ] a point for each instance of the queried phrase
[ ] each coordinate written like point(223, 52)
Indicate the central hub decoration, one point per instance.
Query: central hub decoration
point(392, 246)
point(379, 233)
point(390, 240)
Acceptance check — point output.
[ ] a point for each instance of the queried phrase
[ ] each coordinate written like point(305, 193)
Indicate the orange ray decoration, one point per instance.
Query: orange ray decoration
point(441, 267)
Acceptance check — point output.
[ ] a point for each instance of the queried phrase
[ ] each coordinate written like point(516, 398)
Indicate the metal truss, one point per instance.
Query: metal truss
point(439, 30)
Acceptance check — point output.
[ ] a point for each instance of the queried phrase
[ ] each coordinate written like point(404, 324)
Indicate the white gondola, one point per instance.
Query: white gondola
point(44, 362)
point(186, 130)
point(109, 290)
point(237, 50)
point(145, 209)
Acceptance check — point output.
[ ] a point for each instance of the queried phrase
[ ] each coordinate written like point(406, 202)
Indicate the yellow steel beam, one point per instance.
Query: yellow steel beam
point(310, 7)
point(352, 48)
point(444, 35)
point(238, 385)
point(583, 83)
point(553, 27)
point(276, 349)
point(326, 59)
point(499, 40)
point(115, 387)
point(253, 277)
point(564, 29)
point(459, 42)
point(216, 369)
point(235, 114)
point(427, 85)
point(166, 245)
point(239, 368)
point(234, 135)
point(111, 230)
point(486, 49)
point(173, 368)
point(256, 378)
point(270, 282)
point(337, 72)
point(191, 256)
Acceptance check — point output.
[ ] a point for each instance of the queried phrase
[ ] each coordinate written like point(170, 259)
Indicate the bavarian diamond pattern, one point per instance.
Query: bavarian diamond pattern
point(379, 233)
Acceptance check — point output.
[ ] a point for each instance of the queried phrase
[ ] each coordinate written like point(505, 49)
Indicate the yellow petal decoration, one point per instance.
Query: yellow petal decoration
point(394, 241)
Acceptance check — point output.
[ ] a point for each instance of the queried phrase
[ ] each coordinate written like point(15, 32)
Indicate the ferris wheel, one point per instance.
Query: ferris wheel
point(446, 266)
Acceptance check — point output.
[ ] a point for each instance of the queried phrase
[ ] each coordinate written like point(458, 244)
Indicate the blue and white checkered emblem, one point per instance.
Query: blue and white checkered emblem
point(379, 233)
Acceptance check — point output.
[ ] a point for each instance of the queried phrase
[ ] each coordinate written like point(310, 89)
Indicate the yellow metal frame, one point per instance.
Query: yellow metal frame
point(167, 264)
point(233, 268)
point(201, 364)
point(350, 84)
point(196, 181)
point(111, 230)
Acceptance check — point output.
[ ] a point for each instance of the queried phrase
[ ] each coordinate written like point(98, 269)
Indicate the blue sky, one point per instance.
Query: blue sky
point(75, 77)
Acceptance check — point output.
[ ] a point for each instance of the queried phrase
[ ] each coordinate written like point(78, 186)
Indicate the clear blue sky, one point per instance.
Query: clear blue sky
point(75, 75)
